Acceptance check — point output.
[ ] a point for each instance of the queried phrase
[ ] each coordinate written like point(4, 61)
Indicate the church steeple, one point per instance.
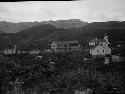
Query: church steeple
point(106, 37)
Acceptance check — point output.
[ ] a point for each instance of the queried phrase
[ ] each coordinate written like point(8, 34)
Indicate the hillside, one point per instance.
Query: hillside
point(6, 40)
point(27, 36)
point(42, 35)
point(9, 27)
point(65, 24)
point(115, 30)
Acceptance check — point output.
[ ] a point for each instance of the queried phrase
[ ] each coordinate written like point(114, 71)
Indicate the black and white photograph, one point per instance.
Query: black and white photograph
point(62, 47)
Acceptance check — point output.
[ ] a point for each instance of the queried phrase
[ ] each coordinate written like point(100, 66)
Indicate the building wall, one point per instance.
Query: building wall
point(116, 58)
point(9, 51)
point(34, 52)
point(65, 46)
point(48, 51)
point(100, 51)
point(74, 45)
point(58, 46)
point(91, 43)
point(85, 91)
point(108, 50)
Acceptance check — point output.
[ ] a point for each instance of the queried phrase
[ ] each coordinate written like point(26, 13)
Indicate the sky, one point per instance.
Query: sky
point(86, 10)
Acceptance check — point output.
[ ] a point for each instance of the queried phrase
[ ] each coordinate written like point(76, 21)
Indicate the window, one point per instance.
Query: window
point(103, 50)
point(73, 44)
point(65, 45)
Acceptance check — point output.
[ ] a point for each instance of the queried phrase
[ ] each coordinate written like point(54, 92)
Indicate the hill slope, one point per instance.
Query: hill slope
point(115, 31)
point(27, 36)
point(9, 27)
point(42, 35)
point(65, 24)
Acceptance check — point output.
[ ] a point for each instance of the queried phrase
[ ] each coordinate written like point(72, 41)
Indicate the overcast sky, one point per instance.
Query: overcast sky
point(86, 10)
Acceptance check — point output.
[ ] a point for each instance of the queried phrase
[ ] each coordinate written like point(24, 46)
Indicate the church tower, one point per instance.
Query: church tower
point(106, 37)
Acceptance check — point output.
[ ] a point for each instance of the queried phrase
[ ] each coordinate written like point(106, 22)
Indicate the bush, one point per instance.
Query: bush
point(81, 79)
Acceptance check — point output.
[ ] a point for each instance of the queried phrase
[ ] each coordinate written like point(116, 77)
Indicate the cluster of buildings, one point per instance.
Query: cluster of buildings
point(15, 51)
point(98, 48)
point(64, 46)
point(55, 47)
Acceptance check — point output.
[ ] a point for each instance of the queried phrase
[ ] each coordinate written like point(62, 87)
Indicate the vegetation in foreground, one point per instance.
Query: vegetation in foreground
point(64, 77)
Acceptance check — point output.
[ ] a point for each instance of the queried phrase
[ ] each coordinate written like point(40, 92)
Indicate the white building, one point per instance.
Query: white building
point(99, 47)
point(33, 52)
point(93, 42)
point(118, 58)
point(100, 51)
point(85, 91)
point(10, 51)
point(65, 46)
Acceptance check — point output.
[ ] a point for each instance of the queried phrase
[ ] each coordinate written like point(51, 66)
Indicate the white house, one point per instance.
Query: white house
point(100, 51)
point(85, 91)
point(10, 51)
point(99, 47)
point(93, 42)
point(34, 52)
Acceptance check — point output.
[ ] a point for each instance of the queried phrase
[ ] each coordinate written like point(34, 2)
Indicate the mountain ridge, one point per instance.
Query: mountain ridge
point(9, 27)
point(42, 35)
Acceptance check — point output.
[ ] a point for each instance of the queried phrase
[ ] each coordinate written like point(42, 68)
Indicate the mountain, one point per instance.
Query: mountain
point(6, 40)
point(9, 27)
point(27, 36)
point(42, 35)
point(65, 24)
point(114, 29)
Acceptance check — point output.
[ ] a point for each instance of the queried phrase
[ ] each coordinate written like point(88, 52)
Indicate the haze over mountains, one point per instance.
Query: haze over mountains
point(41, 35)
point(9, 27)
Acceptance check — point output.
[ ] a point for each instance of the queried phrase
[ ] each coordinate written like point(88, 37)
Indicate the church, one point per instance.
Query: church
point(99, 48)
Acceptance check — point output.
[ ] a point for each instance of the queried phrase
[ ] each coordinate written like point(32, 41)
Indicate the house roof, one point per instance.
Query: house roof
point(94, 40)
point(93, 47)
point(71, 41)
point(98, 40)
